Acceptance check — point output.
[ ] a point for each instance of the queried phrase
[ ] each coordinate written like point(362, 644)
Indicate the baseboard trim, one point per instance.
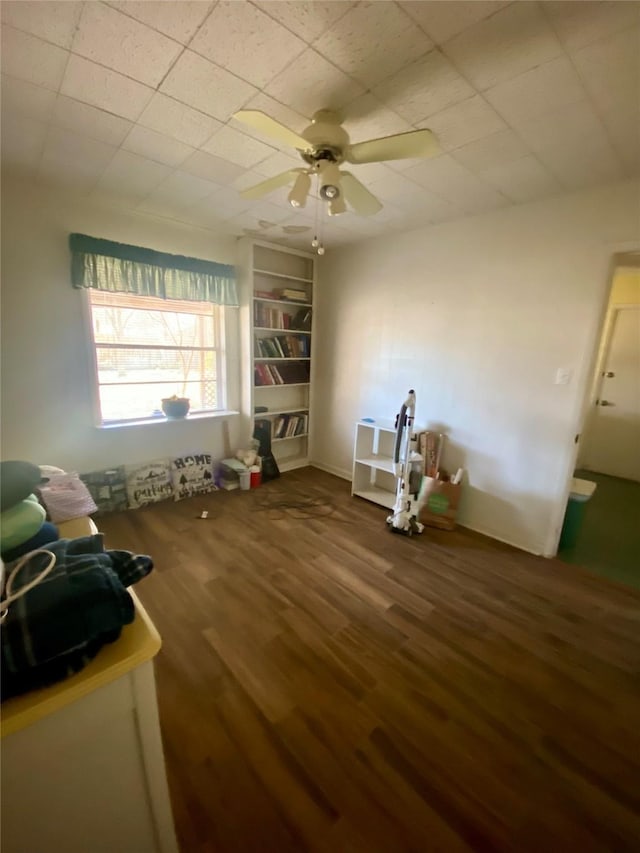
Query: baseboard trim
point(337, 472)
point(492, 535)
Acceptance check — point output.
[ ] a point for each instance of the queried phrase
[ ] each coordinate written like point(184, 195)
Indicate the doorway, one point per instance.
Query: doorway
point(608, 541)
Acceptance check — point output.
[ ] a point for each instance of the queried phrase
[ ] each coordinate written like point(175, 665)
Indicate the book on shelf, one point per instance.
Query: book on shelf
point(268, 317)
point(265, 294)
point(288, 426)
point(293, 294)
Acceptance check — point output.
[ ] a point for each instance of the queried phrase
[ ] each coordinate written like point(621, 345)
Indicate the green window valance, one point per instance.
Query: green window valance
point(120, 268)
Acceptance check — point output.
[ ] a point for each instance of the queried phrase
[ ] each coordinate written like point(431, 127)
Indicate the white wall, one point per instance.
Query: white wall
point(47, 414)
point(477, 316)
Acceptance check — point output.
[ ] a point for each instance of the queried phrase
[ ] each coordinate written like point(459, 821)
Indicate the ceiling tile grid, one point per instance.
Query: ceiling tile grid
point(132, 102)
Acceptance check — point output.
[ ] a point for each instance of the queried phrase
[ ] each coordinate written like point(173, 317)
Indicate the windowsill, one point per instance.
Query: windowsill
point(196, 416)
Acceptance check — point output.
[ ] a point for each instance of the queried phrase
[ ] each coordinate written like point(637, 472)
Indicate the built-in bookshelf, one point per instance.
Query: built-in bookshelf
point(279, 294)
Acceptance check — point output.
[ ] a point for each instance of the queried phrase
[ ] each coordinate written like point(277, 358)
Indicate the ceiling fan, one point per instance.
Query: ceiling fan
point(325, 146)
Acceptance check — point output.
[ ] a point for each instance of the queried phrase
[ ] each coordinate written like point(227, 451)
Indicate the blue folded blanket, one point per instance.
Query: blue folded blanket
point(57, 627)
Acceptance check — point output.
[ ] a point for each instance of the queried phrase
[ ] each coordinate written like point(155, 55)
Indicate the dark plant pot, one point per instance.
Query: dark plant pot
point(176, 408)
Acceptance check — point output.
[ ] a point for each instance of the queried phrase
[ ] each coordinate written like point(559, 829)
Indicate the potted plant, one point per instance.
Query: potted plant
point(175, 408)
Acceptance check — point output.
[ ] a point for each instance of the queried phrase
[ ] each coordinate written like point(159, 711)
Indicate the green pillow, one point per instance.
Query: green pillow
point(17, 480)
point(20, 523)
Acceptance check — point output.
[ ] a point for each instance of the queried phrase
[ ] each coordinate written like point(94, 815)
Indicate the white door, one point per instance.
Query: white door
point(613, 443)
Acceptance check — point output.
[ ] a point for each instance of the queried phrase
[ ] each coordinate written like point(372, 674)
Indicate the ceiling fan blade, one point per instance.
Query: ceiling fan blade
point(415, 143)
point(358, 196)
point(271, 184)
point(270, 127)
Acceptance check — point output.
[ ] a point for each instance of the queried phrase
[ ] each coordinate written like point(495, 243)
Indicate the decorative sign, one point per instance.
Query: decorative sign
point(148, 483)
point(108, 489)
point(192, 475)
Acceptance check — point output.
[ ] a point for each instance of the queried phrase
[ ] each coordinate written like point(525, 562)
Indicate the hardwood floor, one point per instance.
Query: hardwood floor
point(326, 685)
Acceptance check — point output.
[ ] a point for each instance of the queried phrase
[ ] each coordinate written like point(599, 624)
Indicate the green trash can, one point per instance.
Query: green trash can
point(581, 492)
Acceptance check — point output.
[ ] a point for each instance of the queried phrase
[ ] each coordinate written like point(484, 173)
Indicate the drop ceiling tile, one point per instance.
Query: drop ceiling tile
point(90, 121)
point(308, 19)
point(211, 168)
point(368, 118)
point(423, 88)
point(20, 97)
point(29, 58)
point(178, 20)
point(156, 146)
point(588, 165)
point(508, 43)
point(491, 151)
point(623, 129)
point(92, 84)
point(610, 70)
point(404, 193)
point(52, 21)
point(522, 180)
point(132, 175)
point(76, 178)
point(118, 42)
point(237, 147)
point(245, 41)
point(266, 212)
point(65, 146)
point(23, 140)
point(448, 179)
point(373, 41)
point(581, 24)
point(177, 120)
point(542, 90)
point(312, 83)
point(441, 20)
point(223, 203)
point(565, 127)
point(200, 84)
point(183, 189)
point(464, 122)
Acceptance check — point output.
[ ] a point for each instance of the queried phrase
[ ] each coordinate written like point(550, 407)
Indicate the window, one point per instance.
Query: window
point(148, 348)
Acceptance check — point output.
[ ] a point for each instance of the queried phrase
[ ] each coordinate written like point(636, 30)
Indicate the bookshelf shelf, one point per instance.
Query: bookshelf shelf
point(273, 413)
point(282, 302)
point(286, 385)
point(288, 358)
point(290, 331)
point(283, 276)
point(290, 437)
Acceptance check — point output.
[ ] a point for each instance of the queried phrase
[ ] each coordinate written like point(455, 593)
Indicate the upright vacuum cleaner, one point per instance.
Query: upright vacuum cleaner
point(408, 472)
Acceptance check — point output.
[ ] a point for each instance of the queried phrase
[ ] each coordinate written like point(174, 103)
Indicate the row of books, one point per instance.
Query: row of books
point(268, 317)
point(284, 346)
point(287, 426)
point(281, 374)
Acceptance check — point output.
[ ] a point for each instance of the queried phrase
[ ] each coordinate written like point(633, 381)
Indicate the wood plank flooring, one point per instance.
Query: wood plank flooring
point(325, 685)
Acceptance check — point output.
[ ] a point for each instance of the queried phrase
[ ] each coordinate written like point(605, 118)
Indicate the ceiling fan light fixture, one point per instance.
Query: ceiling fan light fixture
point(337, 206)
point(298, 195)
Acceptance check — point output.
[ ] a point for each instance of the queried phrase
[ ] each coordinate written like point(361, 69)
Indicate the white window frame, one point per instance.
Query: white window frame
point(226, 336)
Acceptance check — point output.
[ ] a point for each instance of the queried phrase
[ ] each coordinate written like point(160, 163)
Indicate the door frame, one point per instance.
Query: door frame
point(628, 255)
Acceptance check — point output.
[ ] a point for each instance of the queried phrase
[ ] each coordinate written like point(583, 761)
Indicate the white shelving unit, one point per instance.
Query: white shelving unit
point(373, 478)
point(266, 270)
